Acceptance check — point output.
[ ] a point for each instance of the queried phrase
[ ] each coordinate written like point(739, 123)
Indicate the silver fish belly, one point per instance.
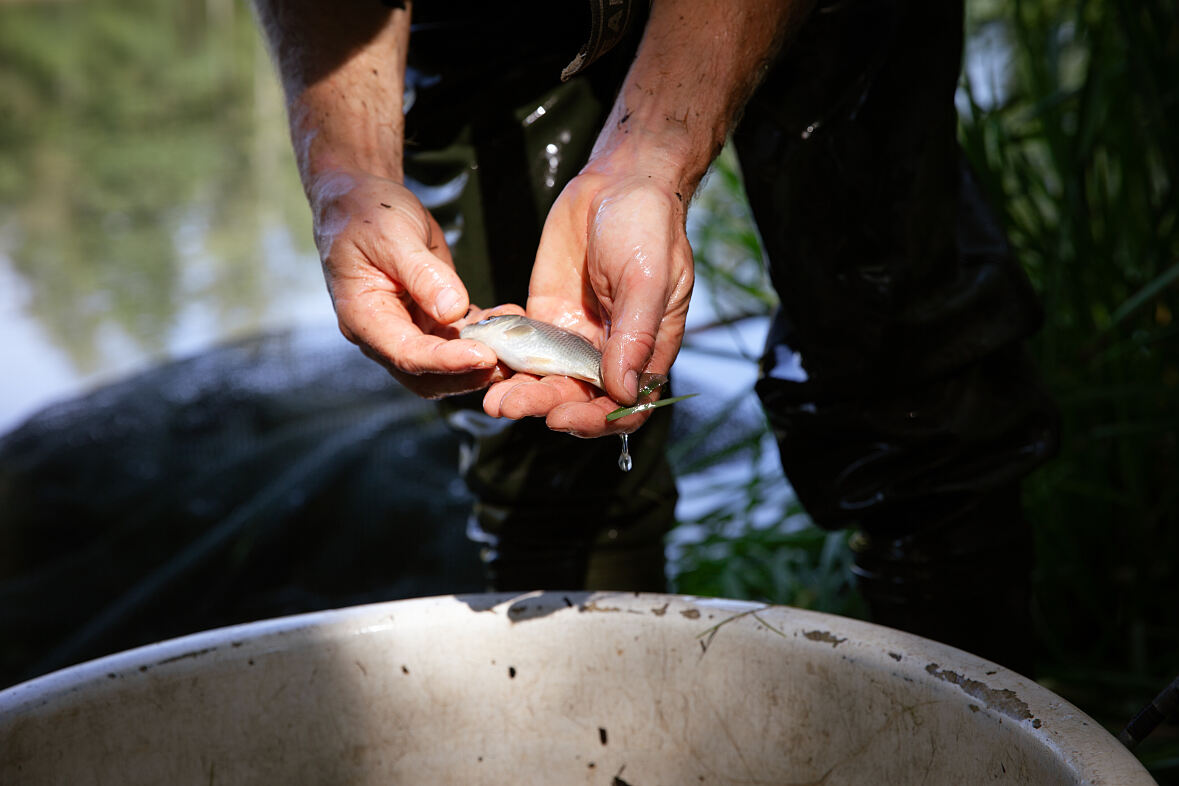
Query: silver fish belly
point(536, 347)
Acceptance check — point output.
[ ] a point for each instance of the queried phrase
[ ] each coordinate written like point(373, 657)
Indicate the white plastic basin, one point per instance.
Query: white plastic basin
point(554, 688)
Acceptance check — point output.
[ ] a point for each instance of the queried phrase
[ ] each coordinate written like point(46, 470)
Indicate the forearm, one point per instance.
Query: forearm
point(343, 69)
point(697, 65)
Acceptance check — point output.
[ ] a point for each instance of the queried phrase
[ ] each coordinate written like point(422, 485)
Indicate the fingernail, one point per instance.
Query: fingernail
point(445, 302)
point(631, 384)
point(479, 358)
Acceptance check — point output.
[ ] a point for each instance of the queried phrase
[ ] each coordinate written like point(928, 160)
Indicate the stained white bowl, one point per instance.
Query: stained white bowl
point(601, 688)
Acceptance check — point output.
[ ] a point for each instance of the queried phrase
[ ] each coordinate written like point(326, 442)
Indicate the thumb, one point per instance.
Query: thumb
point(431, 282)
point(630, 346)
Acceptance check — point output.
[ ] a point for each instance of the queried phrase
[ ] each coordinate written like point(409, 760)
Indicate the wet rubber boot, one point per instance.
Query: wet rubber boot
point(958, 573)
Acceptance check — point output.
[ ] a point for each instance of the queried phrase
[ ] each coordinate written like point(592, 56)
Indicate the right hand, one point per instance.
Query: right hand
point(394, 287)
point(615, 248)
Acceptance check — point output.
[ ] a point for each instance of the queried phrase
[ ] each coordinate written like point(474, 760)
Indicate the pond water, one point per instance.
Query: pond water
point(148, 204)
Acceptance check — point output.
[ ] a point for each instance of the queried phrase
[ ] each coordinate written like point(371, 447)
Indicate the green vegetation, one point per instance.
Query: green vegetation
point(1082, 156)
point(1079, 154)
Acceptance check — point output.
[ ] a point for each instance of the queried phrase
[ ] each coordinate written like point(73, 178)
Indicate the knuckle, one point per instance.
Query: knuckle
point(346, 330)
point(423, 277)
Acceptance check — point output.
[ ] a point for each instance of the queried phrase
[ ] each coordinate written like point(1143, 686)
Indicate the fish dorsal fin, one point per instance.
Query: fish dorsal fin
point(520, 331)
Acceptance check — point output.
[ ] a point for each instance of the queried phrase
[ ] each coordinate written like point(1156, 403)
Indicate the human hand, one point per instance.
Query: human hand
point(614, 265)
point(394, 287)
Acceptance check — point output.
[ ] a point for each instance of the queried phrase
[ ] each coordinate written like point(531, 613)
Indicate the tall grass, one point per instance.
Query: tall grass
point(1075, 135)
point(1081, 155)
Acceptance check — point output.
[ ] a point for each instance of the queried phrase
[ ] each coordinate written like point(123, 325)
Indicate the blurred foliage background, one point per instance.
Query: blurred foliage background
point(1081, 152)
point(139, 137)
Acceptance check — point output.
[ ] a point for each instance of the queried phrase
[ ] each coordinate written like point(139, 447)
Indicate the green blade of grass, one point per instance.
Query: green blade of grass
point(622, 412)
point(1130, 305)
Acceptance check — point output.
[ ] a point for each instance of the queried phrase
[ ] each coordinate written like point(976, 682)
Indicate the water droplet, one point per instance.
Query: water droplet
point(624, 460)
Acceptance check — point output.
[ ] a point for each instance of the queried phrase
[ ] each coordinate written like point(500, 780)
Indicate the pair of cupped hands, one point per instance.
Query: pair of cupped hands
point(613, 264)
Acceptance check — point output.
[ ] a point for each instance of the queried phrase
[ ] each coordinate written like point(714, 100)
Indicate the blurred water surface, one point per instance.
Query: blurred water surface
point(149, 205)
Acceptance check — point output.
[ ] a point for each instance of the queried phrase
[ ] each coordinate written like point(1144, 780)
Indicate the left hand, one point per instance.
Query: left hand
point(614, 265)
point(394, 287)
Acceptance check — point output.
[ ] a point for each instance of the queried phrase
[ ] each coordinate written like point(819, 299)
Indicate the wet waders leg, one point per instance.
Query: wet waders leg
point(894, 376)
point(961, 575)
point(555, 512)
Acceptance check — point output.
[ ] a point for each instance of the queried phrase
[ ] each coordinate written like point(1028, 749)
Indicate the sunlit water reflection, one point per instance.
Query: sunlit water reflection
point(42, 371)
point(148, 204)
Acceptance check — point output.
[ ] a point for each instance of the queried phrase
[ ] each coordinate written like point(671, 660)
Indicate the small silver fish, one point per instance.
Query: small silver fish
point(536, 347)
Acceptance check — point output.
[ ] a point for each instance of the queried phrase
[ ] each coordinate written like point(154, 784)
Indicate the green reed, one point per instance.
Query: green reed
point(1078, 155)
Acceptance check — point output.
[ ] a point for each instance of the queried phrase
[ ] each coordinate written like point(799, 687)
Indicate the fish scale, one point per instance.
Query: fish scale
point(536, 347)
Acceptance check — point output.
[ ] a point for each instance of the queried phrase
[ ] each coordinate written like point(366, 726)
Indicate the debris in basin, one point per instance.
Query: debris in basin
point(824, 636)
point(1005, 701)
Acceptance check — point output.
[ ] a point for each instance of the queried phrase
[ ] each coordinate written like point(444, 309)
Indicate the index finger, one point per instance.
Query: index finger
point(588, 419)
point(410, 263)
point(380, 321)
point(525, 395)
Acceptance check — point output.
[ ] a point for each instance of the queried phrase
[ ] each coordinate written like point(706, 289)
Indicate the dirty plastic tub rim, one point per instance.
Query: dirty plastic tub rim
point(1090, 753)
